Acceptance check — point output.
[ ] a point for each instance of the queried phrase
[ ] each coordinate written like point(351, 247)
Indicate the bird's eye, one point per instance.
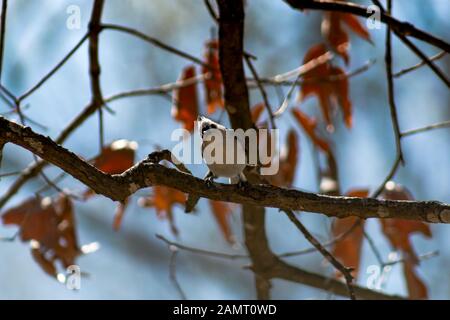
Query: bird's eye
point(213, 126)
point(205, 127)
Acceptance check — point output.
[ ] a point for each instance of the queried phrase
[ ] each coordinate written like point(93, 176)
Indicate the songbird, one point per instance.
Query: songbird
point(215, 143)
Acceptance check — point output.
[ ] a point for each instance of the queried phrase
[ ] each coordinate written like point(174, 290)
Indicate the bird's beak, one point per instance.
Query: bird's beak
point(199, 118)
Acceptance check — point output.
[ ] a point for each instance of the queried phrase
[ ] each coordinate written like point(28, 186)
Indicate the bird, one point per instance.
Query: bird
point(216, 140)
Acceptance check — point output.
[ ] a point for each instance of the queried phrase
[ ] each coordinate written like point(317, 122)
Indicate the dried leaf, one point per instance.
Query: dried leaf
point(337, 37)
point(309, 125)
point(398, 232)
point(330, 85)
point(163, 200)
point(185, 102)
point(115, 159)
point(416, 287)
point(213, 83)
point(118, 215)
point(288, 162)
point(222, 211)
point(256, 111)
point(348, 249)
point(50, 227)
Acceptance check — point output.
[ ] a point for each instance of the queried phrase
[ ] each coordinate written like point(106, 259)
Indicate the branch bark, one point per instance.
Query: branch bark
point(147, 174)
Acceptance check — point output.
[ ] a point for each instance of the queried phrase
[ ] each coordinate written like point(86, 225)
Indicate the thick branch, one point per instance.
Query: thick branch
point(401, 27)
point(146, 174)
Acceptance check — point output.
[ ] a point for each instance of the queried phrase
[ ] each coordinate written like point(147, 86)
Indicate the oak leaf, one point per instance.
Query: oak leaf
point(163, 200)
point(222, 212)
point(185, 102)
point(213, 81)
point(49, 225)
point(330, 85)
point(398, 232)
point(309, 125)
point(348, 249)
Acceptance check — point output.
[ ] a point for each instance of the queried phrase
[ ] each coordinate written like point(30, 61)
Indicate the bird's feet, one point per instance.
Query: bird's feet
point(209, 179)
point(243, 184)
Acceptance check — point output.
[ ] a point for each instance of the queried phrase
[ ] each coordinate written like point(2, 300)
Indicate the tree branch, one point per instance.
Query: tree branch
point(404, 28)
point(147, 173)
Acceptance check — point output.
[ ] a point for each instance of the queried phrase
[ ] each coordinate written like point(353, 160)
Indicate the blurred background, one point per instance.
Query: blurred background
point(132, 263)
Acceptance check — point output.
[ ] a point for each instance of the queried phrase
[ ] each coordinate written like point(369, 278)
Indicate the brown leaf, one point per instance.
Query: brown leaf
point(118, 215)
point(116, 157)
point(329, 84)
point(163, 200)
point(50, 227)
point(416, 287)
point(213, 83)
point(337, 37)
point(288, 163)
point(398, 232)
point(185, 102)
point(309, 125)
point(222, 211)
point(348, 249)
point(256, 111)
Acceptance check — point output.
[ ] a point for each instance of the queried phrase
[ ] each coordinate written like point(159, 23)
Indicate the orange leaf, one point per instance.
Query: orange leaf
point(341, 93)
point(288, 162)
point(348, 249)
point(118, 215)
point(185, 105)
point(49, 225)
point(116, 157)
point(213, 82)
point(163, 200)
point(399, 230)
point(416, 287)
point(329, 84)
point(335, 34)
point(257, 110)
point(222, 211)
point(309, 125)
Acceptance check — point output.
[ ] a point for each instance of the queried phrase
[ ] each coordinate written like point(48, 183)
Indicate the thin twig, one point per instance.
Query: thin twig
point(421, 257)
point(2, 33)
point(299, 72)
point(163, 89)
point(202, 251)
point(445, 124)
point(54, 69)
point(374, 248)
point(411, 45)
point(262, 90)
point(419, 65)
point(155, 42)
point(211, 11)
point(94, 64)
point(393, 109)
point(346, 272)
point(337, 239)
point(173, 271)
point(391, 94)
